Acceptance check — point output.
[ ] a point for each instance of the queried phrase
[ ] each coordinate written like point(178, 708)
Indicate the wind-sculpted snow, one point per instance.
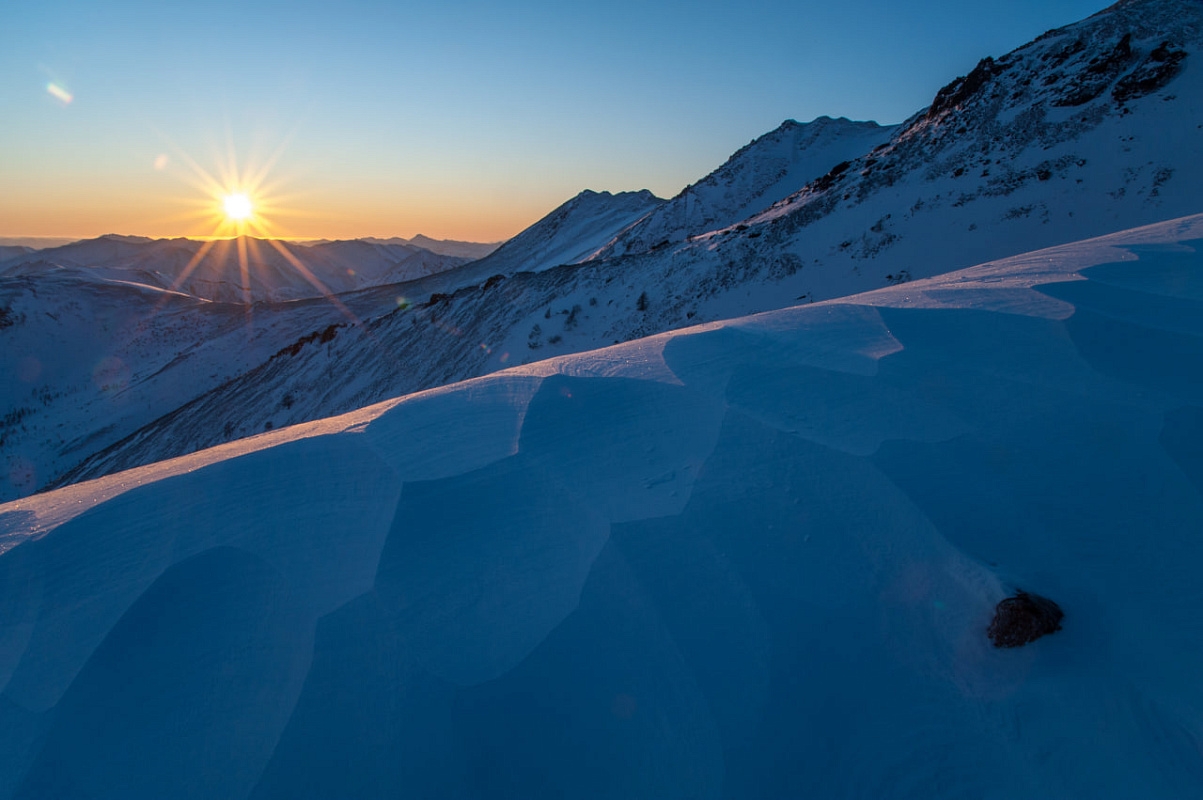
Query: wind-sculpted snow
point(752, 558)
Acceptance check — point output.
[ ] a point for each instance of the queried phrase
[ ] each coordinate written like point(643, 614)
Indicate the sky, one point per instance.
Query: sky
point(460, 120)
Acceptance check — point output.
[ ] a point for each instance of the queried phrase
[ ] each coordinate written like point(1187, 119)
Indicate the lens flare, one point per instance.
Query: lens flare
point(59, 93)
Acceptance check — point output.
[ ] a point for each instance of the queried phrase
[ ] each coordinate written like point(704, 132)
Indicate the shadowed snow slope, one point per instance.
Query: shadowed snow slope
point(755, 558)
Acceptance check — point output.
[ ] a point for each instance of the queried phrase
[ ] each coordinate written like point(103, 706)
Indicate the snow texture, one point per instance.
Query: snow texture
point(755, 558)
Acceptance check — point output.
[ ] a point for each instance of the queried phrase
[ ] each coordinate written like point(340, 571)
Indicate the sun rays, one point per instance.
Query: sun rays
point(243, 205)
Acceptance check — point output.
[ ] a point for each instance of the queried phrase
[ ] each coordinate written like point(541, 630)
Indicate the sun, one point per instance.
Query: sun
point(238, 207)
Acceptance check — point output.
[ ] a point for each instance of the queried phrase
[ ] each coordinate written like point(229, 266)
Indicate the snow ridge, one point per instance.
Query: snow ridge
point(569, 234)
point(756, 176)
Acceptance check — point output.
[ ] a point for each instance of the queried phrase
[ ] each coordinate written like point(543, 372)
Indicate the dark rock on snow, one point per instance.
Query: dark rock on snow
point(1023, 618)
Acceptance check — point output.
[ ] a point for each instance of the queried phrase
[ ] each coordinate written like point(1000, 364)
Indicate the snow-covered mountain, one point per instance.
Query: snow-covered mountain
point(88, 361)
point(446, 247)
point(242, 270)
point(572, 232)
point(755, 558)
point(35, 242)
point(768, 169)
point(8, 251)
point(1091, 128)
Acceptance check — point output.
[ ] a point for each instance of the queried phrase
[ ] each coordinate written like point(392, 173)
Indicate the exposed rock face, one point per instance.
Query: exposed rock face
point(1155, 72)
point(1100, 73)
point(1024, 618)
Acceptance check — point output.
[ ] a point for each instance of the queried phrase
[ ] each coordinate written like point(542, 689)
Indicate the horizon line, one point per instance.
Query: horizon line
point(67, 239)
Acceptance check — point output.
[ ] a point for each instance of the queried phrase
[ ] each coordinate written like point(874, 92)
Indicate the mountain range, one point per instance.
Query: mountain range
point(1090, 128)
point(244, 269)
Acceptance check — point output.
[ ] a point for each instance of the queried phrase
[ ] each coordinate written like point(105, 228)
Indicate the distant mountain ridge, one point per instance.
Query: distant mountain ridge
point(36, 242)
point(214, 270)
point(444, 247)
point(8, 251)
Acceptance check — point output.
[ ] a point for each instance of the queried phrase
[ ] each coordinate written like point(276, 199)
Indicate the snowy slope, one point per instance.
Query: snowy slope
point(446, 247)
point(768, 169)
point(88, 361)
point(244, 270)
point(34, 242)
point(8, 251)
point(752, 558)
point(570, 233)
point(103, 249)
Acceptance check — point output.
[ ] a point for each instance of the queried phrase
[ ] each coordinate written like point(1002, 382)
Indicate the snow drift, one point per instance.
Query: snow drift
point(754, 558)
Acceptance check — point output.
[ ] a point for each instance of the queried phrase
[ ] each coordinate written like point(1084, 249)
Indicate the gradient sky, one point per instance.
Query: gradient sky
point(454, 119)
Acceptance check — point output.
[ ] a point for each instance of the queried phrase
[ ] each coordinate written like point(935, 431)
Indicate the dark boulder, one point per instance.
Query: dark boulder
point(1023, 618)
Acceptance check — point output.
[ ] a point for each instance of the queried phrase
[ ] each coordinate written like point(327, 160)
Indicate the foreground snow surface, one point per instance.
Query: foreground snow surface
point(750, 559)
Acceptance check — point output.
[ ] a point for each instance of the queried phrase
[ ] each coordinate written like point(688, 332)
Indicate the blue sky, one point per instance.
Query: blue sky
point(463, 120)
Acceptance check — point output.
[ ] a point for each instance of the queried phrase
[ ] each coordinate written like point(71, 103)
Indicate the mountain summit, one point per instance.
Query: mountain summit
point(756, 176)
point(572, 232)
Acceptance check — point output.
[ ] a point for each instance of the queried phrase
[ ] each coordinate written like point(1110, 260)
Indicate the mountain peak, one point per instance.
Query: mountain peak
point(117, 237)
point(570, 233)
point(762, 172)
point(843, 122)
point(605, 195)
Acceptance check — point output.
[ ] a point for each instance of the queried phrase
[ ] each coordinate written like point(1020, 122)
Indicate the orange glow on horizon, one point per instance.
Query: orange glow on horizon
point(240, 205)
point(151, 204)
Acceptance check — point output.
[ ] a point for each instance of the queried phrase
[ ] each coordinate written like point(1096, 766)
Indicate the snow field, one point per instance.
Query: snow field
point(754, 558)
